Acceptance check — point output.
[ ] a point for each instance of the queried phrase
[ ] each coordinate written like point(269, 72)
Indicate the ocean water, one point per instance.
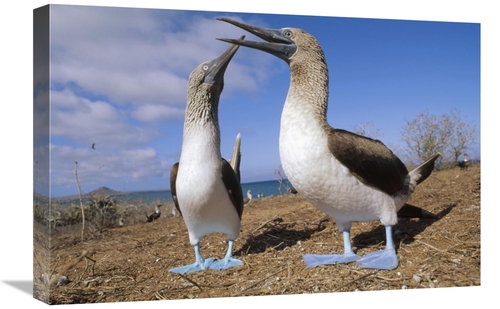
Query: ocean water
point(265, 188)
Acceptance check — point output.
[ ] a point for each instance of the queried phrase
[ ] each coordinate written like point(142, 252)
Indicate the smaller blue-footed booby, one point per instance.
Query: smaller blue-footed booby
point(347, 176)
point(205, 187)
point(155, 215)
point(464, 165)
point(248, 199)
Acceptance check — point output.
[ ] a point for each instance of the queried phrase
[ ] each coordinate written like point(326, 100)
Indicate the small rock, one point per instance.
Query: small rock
point(417, 278)
point(63, 281)
point(43, 278)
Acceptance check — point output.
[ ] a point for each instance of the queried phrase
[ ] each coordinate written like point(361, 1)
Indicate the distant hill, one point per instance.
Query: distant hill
point(99, 192)
point(103, 191)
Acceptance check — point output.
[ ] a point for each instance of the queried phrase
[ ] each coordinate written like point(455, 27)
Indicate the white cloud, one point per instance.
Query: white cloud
point(136, 56)
point(156, 113)
point(87, 122)
point(95, 167)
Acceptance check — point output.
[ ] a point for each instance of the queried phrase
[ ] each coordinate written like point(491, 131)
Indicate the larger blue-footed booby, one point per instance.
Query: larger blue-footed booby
point(205, 188)
point(347, 176)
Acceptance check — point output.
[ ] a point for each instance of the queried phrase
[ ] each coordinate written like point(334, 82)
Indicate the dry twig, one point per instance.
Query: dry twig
point(352, 281)
point(259, 281)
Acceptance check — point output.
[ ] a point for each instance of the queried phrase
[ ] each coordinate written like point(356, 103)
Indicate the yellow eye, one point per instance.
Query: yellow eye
point(288, 33)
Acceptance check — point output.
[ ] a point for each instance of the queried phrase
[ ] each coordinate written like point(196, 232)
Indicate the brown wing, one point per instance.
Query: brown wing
point(369, 160)
point(233, 187)
point(173, 178)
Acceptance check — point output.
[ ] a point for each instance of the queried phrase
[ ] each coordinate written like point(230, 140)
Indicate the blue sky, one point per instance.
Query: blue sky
point(119, 78)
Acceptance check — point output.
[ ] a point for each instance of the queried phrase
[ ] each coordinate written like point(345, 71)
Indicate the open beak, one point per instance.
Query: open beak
point(217, 67)
point(278, 42)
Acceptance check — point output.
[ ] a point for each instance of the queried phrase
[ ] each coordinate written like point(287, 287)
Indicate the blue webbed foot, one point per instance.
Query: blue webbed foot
point(191, 268)
point(383, 259)
point(313, 260)
point(226, 263)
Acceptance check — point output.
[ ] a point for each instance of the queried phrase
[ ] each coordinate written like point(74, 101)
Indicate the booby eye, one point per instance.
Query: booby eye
point(205, 67)
point(288, 33)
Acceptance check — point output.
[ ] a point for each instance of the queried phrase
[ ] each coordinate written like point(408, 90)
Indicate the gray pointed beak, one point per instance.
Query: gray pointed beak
point(277, 43)
point(219, 65)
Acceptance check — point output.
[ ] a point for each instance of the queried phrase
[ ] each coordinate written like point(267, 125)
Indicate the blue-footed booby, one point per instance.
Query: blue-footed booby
point(464, 165)
point(155, 215)
point(248, 199)
point(345, 175)
point(205, 188)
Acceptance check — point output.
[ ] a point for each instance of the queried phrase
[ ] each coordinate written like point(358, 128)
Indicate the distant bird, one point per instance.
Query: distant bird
point(155, 215)
point(292, 191)
point(347, 176)
point(205, 187)
point(121, 221)
point(175, 212)
point(464, 164)
point(248, 199)
point(93, 146)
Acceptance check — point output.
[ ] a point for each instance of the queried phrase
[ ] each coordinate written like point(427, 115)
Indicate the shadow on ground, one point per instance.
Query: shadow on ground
point(407, 230)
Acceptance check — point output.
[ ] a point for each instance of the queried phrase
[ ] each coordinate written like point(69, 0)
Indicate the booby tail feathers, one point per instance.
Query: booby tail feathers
point(421, 173)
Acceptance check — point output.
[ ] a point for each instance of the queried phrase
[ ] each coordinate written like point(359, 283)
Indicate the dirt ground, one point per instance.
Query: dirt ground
point(130, 263)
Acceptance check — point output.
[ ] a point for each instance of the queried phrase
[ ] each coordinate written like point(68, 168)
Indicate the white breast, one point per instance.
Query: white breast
point(202, 196)
point(321, 179)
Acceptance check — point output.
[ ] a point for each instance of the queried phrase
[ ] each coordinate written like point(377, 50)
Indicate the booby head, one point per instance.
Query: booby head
point(285, 43)
point(205, 86)
point(210, 74)
point(157, 208)
point(300, 50)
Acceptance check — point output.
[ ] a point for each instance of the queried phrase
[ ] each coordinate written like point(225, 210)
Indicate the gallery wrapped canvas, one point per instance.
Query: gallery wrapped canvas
point(183, 155)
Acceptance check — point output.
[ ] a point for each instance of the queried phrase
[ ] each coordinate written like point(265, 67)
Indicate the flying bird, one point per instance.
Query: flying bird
point(347, 176)
point(205, 188)
point(93, 146)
